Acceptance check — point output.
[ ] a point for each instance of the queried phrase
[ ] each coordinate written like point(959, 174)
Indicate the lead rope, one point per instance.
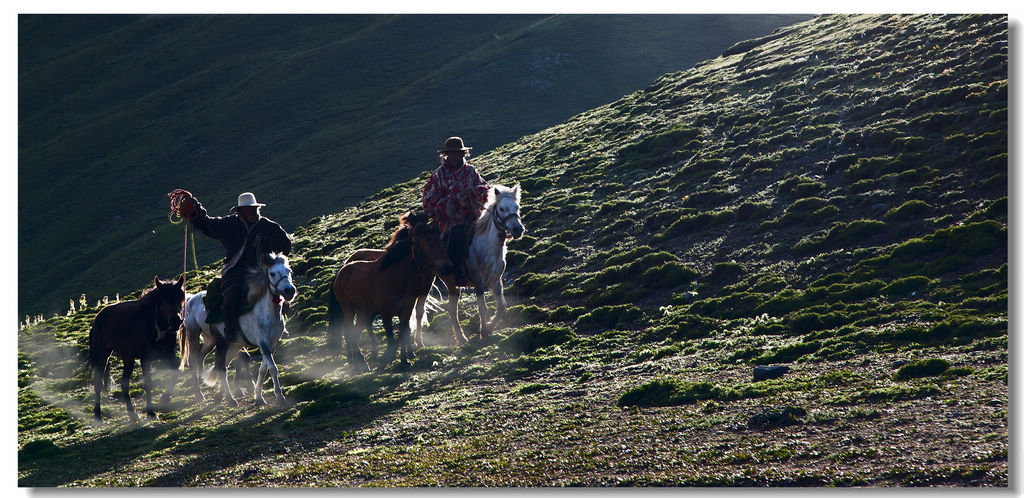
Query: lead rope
point(176, 216)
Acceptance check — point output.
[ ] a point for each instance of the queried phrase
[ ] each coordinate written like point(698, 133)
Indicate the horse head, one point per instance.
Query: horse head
point(279, 275)
point(503, 203)
point(426, 240)
point(169, 301)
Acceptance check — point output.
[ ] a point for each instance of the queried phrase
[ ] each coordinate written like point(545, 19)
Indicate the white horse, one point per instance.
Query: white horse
point(262, 327)
point(485, 264)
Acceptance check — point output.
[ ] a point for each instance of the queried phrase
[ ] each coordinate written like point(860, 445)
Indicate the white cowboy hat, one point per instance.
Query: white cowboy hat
point(246, 199)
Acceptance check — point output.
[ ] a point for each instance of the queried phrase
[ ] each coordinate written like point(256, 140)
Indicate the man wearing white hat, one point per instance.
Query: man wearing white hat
point(245, 235)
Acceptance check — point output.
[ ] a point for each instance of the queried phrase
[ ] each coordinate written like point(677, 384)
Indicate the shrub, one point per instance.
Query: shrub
point(774, 417)
point(909, 210)
point(657, 144)
point(533, 338)
point(966, 240)
point(726, 272)
point(749, 210)
point(668, 392)
point(668, 275)
point(544, 258)
point(609, 316)
point(530, 388)
point(904, 286)
point(931, 367)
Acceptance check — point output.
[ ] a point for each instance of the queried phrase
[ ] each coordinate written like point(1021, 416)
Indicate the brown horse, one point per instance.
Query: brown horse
point(388, 286)
point(142, 329)
point(421, 301)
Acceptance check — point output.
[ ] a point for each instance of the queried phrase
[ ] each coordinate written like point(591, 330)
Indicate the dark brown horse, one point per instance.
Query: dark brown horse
point(142, 329)
point(388, 286)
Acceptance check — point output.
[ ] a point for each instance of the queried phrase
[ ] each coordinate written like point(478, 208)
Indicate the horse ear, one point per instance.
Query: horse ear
point(156, 280)
point(181, 281)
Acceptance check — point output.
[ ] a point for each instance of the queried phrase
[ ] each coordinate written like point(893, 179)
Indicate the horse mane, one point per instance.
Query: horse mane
point(494, 195)
point(398, 247)
point(256, 278)
point(401, 240)
point(150, 293)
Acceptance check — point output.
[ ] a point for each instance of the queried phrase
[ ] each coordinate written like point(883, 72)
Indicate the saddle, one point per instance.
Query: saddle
point(213, 300)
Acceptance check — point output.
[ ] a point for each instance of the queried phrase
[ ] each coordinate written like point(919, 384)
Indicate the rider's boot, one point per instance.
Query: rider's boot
point(457, 250)
point(232, 301)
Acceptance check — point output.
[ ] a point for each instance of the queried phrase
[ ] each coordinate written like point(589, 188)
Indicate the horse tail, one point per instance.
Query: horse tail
point(93, 344)
point(335, 321)
point(183, 346)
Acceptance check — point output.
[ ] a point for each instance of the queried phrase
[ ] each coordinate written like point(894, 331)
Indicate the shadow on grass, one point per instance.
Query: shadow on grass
point(234, 436)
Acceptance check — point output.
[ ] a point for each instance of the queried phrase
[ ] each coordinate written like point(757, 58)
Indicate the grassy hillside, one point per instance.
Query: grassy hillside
point(832, 200)
point(312, 113)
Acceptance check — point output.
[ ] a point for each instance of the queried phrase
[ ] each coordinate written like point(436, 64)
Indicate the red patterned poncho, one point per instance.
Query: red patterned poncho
point(454, 195)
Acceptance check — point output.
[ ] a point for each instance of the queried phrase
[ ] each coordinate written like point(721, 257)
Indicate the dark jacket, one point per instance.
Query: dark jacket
point(232, 232)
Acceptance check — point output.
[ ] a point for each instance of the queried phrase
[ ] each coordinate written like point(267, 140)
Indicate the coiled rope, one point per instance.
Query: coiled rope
point(176, 216)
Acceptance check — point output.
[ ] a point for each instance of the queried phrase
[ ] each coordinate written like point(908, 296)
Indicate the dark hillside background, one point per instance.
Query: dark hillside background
point(312, 113)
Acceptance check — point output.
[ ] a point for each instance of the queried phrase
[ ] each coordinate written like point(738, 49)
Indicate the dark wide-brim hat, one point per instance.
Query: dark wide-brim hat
point(453, 144)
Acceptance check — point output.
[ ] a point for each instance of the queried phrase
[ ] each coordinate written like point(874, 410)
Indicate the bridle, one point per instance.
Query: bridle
point(274, 284)
point(501, 222)
point(421, 266)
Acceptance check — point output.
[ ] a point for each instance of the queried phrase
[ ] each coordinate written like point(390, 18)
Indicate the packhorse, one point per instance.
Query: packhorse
point(388, 286)
point(485, 264)
point(142, 329)
point(268, 287)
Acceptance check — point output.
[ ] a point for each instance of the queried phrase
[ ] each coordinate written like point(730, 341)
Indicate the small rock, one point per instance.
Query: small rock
point(762, 372)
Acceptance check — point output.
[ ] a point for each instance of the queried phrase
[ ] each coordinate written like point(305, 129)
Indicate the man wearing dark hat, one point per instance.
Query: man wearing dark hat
point(245, 236)
point(454, 196)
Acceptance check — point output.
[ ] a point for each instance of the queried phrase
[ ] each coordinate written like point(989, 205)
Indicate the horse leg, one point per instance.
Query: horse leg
point(99, 383)
point(146, 387)
point(453, 314)
point(126, 375)
point(168, 387)
point(499, 304)
point(374, 343)
point(356, 361)
point(219, 363)
point(481, 303)
point(261, 377)
point(270, 365)
point(421, 309)
point(106, 375)
point(389, 335)
point(195, 358)
point(240, 364)
point(404, 340)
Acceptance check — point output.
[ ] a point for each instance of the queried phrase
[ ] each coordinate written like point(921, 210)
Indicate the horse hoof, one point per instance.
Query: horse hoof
point(261, 402)
point(231, 402)
point(151, 415)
